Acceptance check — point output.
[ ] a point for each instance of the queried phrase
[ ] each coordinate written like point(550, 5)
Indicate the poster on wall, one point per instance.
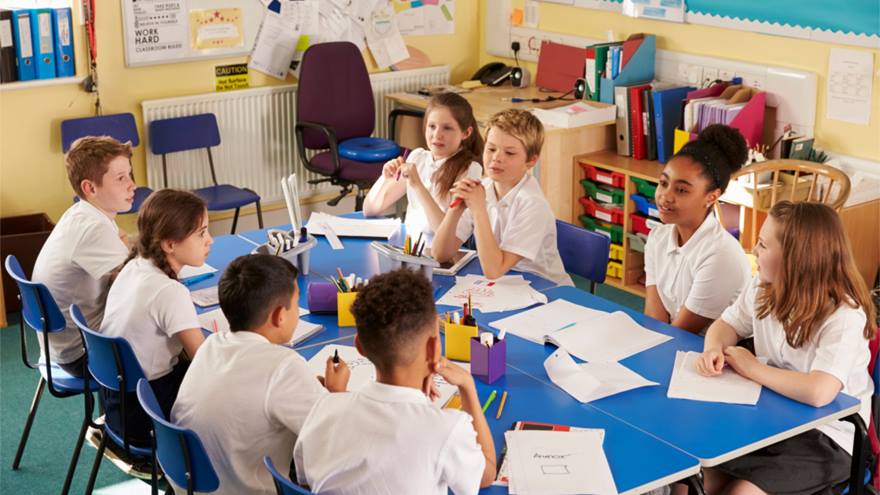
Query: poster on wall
point(160, 30)
point(216, 28)
point(425, 17)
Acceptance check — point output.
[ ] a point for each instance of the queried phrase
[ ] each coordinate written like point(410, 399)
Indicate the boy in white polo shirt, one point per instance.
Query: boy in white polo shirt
point(86, 246)
point(507, 212)
point(245, 394)
point(388, 439)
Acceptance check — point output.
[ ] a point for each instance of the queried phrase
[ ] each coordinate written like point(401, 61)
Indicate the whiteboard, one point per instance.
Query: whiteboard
point(162, 31)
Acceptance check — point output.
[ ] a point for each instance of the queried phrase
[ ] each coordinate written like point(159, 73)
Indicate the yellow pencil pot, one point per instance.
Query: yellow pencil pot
point(343, 308)
point(458, 341)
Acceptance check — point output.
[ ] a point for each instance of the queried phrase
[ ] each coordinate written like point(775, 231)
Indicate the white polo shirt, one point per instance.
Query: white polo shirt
point(704, 276)
point(838, 348)
point(523, 224)
point(246, 398)
point(387, 440)
point(75, 265)
point(147, 308)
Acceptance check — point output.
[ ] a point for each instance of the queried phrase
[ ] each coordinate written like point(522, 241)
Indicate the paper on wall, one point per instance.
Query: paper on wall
point(383, 38)
point(849, 85)
point(276, 43)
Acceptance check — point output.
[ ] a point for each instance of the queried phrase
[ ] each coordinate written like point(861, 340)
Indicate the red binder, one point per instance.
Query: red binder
point(636, 124)
point(559, 66)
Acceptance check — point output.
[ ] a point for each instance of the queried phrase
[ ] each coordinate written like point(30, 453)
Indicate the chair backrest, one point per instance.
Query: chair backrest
point(873, 432)
point(111, 359)
point(283, 486)
point(334, 89)
point(798, 180)
point(180, 451)
point(184, 133)
point(38, 307)
point(583, 252)
point(120, 126)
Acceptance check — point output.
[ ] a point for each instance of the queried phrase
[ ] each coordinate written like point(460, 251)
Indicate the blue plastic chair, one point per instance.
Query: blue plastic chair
point(114, 365)
point(179, 450)
point(583, 252)
point(40, 311)
point(119, 126)
point(191, 133)
point(283, 486)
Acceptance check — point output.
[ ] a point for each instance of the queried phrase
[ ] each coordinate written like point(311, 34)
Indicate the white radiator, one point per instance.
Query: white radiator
point(258, 145)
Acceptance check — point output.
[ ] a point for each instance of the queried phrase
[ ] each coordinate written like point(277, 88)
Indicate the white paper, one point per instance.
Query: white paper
point(568, 376)
point(729, 387)
point(385, 42)
point(502, 294)
point(612, 337)
point(191, 271)
point(206, 297)
point(558, 462)
point(431, 17)
point(303, 13)
point(353, 227)
point(536, 323)
point(275, 44)
point(363, 372)
point(156, 30)
point(215, 321)
point(849, 85)
point(663, 10)
point(614, 378)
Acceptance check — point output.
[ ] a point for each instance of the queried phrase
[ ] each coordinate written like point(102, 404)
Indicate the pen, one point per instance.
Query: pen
point(196, 279)
point(489, 401)
point(417, 244)
point(336, 361)
point(501, 405)
point(514, 99)
point(455, 203)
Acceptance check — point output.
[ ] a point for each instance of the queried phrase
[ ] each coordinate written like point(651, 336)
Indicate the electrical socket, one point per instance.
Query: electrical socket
point(752, 81)
point(683, 69)
point(695, 75)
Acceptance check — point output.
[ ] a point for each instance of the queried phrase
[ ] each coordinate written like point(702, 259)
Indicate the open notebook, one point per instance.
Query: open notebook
point(215, 321)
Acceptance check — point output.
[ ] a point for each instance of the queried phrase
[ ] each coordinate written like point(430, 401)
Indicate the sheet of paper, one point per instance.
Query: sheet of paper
point(729, 387)
point(614, 378)
point(363, 371)
point(535, 323)
point(191, 271)
point(385, 42)
point(215, 321)
point(206, 297)
point(275, 44)
point(352, 227)
point(558, 462)
point(849, 85)
point(568, 376)
point(216, 28)
point(502, 294)
point(608, 338)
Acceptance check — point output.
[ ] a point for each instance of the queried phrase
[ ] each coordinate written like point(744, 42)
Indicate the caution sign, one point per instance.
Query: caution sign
point(230, 77)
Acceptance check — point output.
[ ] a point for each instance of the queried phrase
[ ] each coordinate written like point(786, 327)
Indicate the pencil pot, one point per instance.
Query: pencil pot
point(488, 363)
point(322, 297)
point(344, 317)
point(389, 264)
point(426, 270)
point(458, 346)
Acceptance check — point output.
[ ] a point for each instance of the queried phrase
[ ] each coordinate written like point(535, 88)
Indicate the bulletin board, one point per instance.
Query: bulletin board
point(171, 31)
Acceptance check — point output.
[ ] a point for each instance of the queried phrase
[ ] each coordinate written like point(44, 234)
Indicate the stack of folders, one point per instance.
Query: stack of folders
point(36, 44)
point(700, 113)
point(647, 116)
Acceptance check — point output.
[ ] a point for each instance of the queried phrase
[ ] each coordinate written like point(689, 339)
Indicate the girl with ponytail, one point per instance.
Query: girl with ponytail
point(694, 269)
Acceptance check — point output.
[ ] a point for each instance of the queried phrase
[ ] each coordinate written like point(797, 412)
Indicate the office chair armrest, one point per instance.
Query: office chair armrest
point(329, 134)
point(861, 445)
point(401, 112)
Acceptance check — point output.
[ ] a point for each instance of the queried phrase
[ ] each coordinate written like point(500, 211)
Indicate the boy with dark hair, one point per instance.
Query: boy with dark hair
point(245, 394)
point(388, 438)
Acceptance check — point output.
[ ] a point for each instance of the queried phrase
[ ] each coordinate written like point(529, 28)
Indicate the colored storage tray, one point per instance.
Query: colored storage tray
point(615, 252)
point(606, 213)
point(603, 194)
point(645, 206)
point(614, 270)
point(642, 225)
point(644, 187)
point(614, 232)
point(613, 179)
point(637, 241)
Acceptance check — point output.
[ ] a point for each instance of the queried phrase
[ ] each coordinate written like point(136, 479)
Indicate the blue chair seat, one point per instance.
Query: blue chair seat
point(134, 449)
point(66, 383)
point(368, 149)
point(226, 197)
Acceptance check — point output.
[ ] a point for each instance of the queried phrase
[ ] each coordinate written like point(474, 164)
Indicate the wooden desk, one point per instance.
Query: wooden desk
point(560, 145)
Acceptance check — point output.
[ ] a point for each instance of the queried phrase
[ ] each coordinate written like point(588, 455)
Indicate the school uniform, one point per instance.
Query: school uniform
point(148, 308)
point(816, 460)
point(75, 265)
point(387, 440)
point(246, 398)
point(705, 275)
point(523, 224)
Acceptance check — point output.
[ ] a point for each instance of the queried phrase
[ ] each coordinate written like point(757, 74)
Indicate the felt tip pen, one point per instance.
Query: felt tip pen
point(489, 400)
point(336, 356)
point(196, 279)
point(455, 203)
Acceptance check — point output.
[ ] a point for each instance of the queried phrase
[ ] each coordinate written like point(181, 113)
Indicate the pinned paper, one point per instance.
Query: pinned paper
point(216, 28)
point(384, 40)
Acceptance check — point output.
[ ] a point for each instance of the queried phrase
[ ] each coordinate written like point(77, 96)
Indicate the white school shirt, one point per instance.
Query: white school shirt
point(75, 265)
point(387, 440)
point(246, 398)
point(705, 275)
point(523, 224)
point(147, 308)
point(838, 348)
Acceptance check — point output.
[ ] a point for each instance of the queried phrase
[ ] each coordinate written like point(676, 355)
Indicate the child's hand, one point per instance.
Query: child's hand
point(471, 191)
point(741, 360)
point(336, 375)
point(411, 173)
point(454, 374)
point(391, 167)
point(710, 362)
point(430, 388)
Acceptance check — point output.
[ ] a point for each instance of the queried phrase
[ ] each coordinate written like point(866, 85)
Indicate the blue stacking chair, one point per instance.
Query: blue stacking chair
point(191, 133)
point(283, 486)
point(114, 366)
point(179, 450)
point(119, 126)
point(583, 252)
point(40, 311)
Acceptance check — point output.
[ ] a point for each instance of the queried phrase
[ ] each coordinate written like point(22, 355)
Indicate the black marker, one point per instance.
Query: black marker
point(303, 234)
point(336, 356)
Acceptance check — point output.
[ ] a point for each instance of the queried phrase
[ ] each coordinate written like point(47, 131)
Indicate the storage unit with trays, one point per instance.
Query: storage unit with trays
point(630, 185)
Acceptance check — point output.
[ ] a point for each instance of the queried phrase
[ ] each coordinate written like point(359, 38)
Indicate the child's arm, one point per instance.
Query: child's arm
point(446, 242)
point(690, 321)
point(336, 375)
point(654, 306)
point(386, 190)
point(192, 339)
point(720, 336)
point(433, 212)
point(470, 403)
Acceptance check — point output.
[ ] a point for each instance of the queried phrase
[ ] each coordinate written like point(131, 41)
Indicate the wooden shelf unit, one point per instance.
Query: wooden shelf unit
point(633, 261)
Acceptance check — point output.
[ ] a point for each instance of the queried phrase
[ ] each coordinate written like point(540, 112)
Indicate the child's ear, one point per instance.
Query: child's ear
point(433, 351)
point(88, 188)
point(357, 344)
point(467, 133)
point(276, 317)
point(167, 246)
point(532, 161)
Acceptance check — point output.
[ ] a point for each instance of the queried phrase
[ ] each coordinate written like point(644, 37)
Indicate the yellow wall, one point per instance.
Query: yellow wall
point(32, 177)
point(746, 46)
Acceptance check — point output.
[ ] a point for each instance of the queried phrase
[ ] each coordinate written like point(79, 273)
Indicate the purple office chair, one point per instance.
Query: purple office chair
point(335, 119)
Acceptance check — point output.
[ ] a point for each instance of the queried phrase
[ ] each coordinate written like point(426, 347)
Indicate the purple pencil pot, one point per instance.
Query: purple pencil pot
point(488, 363)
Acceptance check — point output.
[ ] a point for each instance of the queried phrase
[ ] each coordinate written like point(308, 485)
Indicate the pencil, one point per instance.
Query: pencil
point(489, 401)
point(501, 405)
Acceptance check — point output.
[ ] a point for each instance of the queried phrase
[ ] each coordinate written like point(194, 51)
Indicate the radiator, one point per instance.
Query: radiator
point(258, 145)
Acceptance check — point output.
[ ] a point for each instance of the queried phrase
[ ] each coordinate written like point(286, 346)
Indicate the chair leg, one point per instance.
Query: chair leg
point(97, 464)
point(75, 457)
point(592, 287)
point(259, 215)
point(359, 200)
point(41, 385)
point(235, 220)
